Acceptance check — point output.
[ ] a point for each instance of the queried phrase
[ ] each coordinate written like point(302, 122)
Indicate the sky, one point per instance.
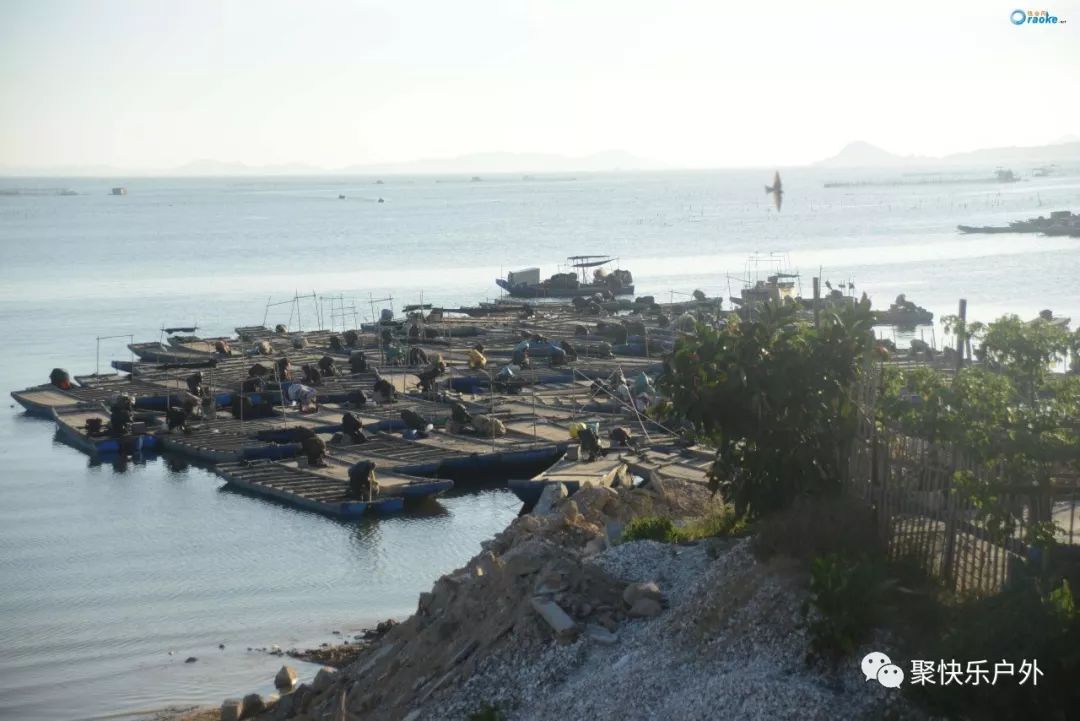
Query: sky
point(144, 84)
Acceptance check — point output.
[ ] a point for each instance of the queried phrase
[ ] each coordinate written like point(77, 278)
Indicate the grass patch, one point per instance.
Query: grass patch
point(722, 524)
point(649, 528)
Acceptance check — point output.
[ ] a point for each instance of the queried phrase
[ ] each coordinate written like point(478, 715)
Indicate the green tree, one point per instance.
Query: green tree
point(774, 395)
point(1012, 414)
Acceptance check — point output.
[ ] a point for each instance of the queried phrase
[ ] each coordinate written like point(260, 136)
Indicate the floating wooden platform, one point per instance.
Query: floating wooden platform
point(71, 426)
point(258, 455)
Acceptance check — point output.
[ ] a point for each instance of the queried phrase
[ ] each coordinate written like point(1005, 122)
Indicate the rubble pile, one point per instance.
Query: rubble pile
point(553, 621)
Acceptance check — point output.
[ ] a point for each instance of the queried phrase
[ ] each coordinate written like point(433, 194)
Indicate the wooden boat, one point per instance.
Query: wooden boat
point(527, 284)
point(156, 352)
point(904, 314)
point(326, 490)
point(76, 426)
point(610, 470)
point(1057, 219)
point(40, 401)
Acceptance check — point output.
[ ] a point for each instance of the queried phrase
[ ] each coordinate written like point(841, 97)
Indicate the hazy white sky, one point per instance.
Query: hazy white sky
point(152, 84)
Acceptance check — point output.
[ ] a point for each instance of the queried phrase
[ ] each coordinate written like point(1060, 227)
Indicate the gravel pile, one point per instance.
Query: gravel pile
point(729, 646)
point(548, 623)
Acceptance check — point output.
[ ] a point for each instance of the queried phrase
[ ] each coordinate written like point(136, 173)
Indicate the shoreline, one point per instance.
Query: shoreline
point(555, 618)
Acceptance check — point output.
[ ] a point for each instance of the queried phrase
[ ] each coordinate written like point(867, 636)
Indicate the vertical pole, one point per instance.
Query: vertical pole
point(961, 334)
point(296, 300)
point(97, 362)
point(817, 302)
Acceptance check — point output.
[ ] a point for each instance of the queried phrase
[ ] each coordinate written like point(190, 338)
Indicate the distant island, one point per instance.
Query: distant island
point(864, 155)
point(468, 166)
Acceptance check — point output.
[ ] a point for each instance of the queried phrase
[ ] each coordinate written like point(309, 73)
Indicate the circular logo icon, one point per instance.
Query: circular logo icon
point(1017, 17)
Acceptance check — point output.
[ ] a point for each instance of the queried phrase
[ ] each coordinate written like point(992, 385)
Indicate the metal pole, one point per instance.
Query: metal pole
point(817, 302)
point(961, 332)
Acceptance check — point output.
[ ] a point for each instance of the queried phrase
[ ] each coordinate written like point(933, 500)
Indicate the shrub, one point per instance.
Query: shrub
point(774, 396)
point(816, 527)
point(845, 603)
point(649, 528)
point(1030, 620)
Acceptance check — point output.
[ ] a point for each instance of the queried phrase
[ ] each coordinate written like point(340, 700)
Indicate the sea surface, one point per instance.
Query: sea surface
point(111, 577)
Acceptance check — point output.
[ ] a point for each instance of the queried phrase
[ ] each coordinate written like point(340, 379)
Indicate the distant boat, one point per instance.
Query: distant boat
point(378, 182)
point(1060, 222)
point(476, 178)
point(904, 314)
point(119, 191)
point(777, 190)
point(381, 200)
point(341, 196)
point(527, 284)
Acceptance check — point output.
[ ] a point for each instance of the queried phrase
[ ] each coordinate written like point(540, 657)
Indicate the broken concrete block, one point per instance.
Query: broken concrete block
point(600, 635)
point(564, 627)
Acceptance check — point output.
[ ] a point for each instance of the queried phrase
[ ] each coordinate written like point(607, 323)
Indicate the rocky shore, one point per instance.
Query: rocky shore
point(554, 620)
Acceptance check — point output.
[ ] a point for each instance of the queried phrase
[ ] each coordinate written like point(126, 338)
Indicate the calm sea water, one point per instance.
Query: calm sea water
point(105, 571)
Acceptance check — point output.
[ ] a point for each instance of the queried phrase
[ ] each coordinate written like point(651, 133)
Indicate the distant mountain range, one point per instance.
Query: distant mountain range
point(865, 155)
point(854, 155)
point(472, 164)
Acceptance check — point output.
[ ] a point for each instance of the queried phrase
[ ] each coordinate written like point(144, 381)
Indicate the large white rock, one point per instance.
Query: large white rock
point(551, 495)
point(286, 678)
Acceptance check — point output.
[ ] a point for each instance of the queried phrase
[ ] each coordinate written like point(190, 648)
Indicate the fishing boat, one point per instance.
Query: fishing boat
point(904, 314)
point(779, 285)
point(527, 284)
point(572, 473)
point(1057, 219)
point(86, 428)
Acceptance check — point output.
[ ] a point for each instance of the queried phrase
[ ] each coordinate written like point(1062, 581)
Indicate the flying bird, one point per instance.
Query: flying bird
point(777, 190)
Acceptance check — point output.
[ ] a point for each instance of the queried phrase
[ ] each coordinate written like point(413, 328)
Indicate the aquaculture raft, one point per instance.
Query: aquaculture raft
point(326, 494)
